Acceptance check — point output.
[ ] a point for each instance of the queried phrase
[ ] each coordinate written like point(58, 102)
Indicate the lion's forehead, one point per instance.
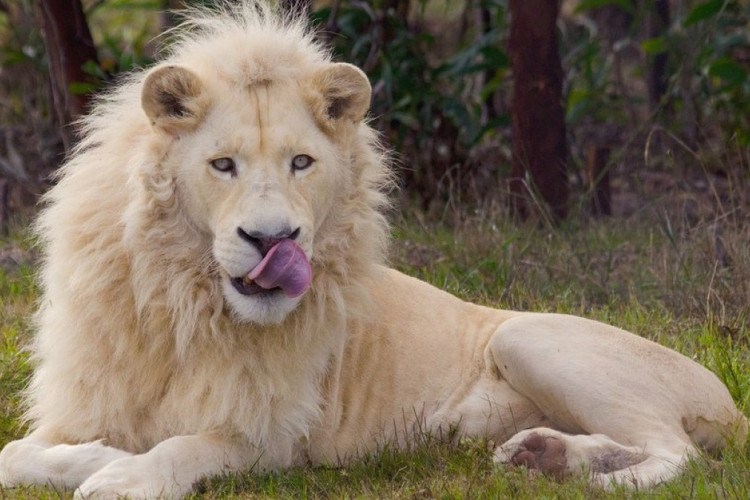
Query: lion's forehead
point(267, 116)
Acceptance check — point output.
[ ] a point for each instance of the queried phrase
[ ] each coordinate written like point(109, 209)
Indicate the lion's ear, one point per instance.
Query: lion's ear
point(174, 99)
point(345, 91)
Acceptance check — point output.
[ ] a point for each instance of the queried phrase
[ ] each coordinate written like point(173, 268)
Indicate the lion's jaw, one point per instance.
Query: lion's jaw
point(263, 308)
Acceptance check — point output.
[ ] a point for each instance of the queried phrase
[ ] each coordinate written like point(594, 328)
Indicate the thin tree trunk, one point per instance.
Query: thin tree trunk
point(489, 102)
point(657, 22)
point(539, 163)
point(68, 44)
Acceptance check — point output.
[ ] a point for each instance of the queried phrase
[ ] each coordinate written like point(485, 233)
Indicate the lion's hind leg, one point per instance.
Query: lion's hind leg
point(607, 462)
point(35, 460)
point(619, 406)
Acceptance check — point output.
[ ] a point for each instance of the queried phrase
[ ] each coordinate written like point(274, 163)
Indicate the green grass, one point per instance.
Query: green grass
point(16, 303)
point(661, 278)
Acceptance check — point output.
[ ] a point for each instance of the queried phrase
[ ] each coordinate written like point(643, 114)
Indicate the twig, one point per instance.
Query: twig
point(332, 26)
point(4, 204)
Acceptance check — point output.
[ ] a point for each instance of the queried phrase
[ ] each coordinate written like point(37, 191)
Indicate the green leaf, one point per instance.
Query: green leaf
point(494, 58)
point(458, 113)
point(654, 46)
point(406, 119)
point(595, 4)
point(579, 103)
point(703, 11)
point(728, 70)
point(502, 121)
point(9, 57)
point(727, 41)
point(93, 69)
point(80, 88)
point(135, 5)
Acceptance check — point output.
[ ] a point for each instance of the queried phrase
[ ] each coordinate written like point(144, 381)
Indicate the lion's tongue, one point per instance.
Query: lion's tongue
point(285, 266)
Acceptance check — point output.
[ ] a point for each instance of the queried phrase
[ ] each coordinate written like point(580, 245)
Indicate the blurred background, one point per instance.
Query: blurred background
point(588, 157)
point(531, 109)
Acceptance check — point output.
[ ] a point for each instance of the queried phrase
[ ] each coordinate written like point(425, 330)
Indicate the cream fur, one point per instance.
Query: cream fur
point(153, 372)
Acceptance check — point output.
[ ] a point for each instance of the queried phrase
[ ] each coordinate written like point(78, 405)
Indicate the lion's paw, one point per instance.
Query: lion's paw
point(131, 477)
point(63, 466)
point(537, 451)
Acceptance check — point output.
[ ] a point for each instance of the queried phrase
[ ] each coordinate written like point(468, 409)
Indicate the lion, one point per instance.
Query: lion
point(215, 298)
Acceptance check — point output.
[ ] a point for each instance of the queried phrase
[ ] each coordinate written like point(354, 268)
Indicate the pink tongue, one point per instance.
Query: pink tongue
point(285, 266)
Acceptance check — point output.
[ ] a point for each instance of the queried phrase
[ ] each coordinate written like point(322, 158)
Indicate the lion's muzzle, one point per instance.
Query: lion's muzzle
point(284, 266)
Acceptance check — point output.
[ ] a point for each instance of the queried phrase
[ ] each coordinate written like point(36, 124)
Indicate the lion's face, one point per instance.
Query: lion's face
point(257, 170)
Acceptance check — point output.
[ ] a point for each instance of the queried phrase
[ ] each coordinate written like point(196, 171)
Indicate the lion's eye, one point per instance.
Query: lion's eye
point(224, 165)
point(301, 162)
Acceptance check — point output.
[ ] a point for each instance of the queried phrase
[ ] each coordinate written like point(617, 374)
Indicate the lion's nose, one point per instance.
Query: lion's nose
point(263, 242)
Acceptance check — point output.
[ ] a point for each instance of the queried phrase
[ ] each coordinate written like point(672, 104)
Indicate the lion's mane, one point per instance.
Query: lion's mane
point(129, 290)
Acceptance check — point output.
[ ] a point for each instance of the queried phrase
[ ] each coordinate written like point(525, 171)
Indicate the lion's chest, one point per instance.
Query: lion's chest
point(266, 398)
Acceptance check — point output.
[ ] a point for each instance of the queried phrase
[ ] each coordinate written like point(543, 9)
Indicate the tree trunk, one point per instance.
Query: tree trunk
point(657, 23)
point(539, 163)
point(68, 43)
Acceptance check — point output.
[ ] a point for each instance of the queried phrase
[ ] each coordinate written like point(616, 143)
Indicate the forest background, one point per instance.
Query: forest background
point(639, 216)
point(632, 80)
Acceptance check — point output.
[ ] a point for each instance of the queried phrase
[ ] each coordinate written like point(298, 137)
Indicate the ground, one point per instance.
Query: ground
point(675, 269)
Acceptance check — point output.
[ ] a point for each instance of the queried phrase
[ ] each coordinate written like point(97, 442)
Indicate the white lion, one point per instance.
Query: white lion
point(214, 299)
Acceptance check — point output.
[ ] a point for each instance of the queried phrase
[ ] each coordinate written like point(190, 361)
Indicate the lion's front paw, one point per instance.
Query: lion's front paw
point(131, 477)
point(63, 466)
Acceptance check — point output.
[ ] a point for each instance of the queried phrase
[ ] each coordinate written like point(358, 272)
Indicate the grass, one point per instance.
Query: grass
point(16, 304)
point(675, 279)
